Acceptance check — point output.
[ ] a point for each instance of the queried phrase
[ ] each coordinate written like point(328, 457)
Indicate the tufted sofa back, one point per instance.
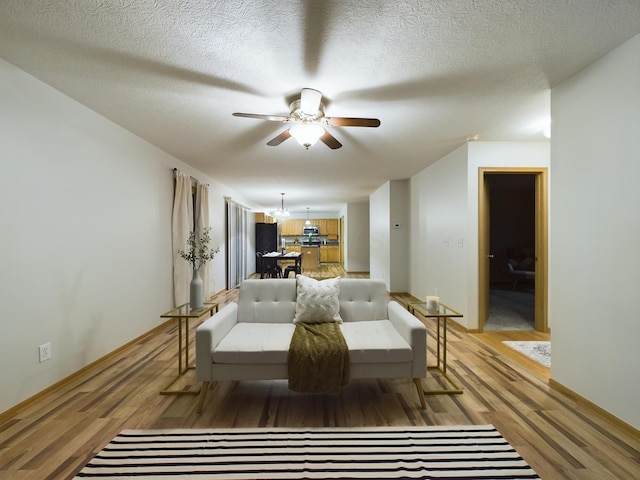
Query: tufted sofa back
point(267, 300)
point(273, 300)
point(363, 299)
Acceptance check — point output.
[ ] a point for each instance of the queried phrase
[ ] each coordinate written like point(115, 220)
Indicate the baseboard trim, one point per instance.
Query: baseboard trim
point(456, 324)
point(634, 432)
point(13, 411)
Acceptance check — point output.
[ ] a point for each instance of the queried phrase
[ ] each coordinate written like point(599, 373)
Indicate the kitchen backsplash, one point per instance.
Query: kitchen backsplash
point(300, 239)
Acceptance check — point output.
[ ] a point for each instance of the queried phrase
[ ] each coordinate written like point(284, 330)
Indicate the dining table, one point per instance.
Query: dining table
point(295, 257)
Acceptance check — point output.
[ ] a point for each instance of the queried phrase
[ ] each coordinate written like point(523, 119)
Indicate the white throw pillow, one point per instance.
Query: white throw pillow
point(317, 301)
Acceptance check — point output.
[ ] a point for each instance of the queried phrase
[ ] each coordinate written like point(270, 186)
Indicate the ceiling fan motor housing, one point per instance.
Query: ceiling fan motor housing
point(298, 115)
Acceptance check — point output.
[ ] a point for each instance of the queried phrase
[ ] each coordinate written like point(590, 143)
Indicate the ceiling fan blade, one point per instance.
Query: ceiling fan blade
point(352, 122)
point(274, 142)
point(330, 141)
point(310, 101)
point(271, 118)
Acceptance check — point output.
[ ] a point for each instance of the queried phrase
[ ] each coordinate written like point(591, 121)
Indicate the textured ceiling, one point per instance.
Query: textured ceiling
point(434, 72)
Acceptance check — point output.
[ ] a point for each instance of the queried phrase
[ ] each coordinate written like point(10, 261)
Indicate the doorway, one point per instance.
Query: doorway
point(513, 249)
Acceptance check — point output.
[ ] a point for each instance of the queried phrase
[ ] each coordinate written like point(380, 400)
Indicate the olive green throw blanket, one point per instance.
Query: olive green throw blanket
point(318, 358)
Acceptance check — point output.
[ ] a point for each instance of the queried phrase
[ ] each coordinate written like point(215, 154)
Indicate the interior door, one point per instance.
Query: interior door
point(541, 243)
point(484, 254)
point(542, 246)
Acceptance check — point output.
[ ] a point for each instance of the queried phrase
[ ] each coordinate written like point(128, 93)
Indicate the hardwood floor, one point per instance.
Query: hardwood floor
point(55, 435)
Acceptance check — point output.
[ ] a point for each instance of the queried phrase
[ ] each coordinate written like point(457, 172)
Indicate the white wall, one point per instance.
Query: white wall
point(444, 216)
point(388, 205)
point(356, 237)
point(399, 232)
point(379, 234)
point(86, 235)
point(439, 212)
point(594, 269)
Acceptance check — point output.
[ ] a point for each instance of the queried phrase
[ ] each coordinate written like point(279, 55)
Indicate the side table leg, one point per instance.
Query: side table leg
point(444, 345)
point(186, 343)
point(442, 367)
point(180, 346)
point(181, 369)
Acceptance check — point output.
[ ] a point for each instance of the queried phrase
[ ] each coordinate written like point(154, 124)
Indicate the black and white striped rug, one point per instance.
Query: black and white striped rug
point(451, 452)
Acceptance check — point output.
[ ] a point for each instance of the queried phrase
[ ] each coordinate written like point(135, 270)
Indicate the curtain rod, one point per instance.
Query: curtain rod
point(175, 170)
point(231, 200)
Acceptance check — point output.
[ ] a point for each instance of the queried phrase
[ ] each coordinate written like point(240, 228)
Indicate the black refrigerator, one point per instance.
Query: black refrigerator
point(266, 237)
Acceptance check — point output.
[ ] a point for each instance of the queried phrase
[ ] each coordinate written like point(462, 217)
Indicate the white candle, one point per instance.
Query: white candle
point(433, 303)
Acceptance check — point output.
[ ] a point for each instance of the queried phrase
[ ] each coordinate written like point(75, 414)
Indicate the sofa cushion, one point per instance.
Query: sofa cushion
point(363, 299)
point(267, 300)
point(317, 301)
point(375, 341)
point(255, 343)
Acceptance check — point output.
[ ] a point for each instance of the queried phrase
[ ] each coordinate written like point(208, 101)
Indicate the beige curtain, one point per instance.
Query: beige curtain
point(202, 223)
point(181, 225)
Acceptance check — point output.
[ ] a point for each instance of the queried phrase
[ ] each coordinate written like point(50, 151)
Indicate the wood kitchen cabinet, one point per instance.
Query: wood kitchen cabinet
point(292, 226)
point(329, 254)
point(322, 225)
point(295, 226)
point(261, 217)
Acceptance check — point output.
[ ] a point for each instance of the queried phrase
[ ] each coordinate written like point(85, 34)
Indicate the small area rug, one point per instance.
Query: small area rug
point(474, 451)
point(538, 351)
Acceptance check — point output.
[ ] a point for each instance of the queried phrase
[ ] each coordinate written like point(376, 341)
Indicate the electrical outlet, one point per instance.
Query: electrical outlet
point(45, 352)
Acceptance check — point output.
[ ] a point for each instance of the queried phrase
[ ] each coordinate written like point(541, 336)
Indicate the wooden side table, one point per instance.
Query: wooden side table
point(441, 316)
point(182, 314)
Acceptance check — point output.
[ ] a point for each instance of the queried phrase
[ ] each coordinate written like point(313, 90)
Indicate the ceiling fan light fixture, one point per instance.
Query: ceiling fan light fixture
point(306, 120)
point(306, 134)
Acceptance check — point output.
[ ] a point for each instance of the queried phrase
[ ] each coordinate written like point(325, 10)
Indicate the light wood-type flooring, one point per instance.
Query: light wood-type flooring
point(53, 436)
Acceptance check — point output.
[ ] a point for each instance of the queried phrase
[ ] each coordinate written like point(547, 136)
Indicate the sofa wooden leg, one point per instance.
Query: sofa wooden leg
point(201, 397)
point(423, 402)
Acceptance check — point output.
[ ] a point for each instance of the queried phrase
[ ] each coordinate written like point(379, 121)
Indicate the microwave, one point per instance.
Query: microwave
point(310, 230)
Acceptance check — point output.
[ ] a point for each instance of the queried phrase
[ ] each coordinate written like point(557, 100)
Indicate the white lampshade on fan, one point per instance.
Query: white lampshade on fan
point(306, 134)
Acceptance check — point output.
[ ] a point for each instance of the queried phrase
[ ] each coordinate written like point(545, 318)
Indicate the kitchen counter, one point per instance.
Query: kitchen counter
point(314, 243)
point(310, 257)
point(329, 253)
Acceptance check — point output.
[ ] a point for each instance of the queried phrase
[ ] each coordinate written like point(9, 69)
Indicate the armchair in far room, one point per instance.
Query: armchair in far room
point(518, 270)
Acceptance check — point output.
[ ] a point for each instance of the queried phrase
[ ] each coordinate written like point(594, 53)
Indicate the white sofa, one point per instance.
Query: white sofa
point(249, 340)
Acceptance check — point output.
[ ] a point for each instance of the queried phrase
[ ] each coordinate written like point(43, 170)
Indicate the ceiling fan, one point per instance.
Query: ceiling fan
point(308, 121)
